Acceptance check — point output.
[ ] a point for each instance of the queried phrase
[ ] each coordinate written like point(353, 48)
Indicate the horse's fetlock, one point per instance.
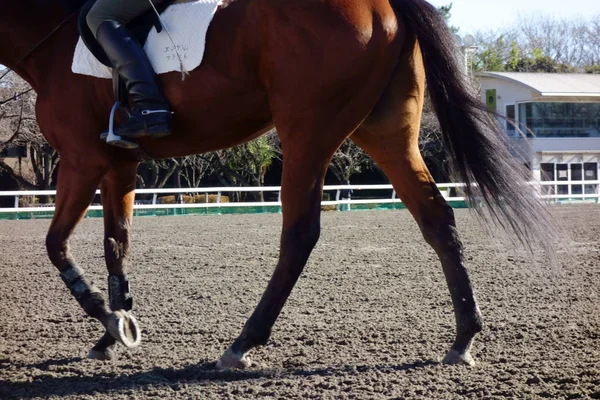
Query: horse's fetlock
point(260, 338)
point(93, 304)
point(469, 323)
point(255, 335)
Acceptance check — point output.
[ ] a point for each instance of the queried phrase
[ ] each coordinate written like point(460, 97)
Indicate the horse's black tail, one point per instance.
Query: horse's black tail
point(472, 136)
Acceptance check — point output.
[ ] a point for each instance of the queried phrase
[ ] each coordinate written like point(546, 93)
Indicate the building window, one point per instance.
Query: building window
point(590, 173)
point(547, 175)
point(510, 120)
point(570, 180)
point(547, 170)
point(562, 174)
point(560, 119)
point(576, 175)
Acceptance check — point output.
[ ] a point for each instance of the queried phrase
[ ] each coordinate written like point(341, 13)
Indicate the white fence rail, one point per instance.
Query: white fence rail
point(576, 190)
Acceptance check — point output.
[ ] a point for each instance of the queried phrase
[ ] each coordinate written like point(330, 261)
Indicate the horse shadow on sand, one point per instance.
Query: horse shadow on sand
point(47, 385)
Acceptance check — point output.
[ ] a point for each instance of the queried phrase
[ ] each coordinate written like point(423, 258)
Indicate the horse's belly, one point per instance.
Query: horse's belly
point(211, 114)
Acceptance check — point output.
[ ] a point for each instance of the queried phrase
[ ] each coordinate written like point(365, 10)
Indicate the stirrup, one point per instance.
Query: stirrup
point(113, 139)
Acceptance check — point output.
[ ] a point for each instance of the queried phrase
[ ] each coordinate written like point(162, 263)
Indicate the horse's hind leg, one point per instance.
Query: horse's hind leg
point(118, 196)
point(390, 136)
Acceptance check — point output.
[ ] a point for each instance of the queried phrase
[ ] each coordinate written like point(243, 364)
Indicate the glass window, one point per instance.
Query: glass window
point(590, 171)
point(547, 171)
point(547, 175)
point(560, 119)
point(576, 172)
point(591, 189)
point(510, 120)
point(562, 172)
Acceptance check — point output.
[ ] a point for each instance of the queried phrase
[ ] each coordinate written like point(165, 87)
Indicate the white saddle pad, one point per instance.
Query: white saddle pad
point(187, 23)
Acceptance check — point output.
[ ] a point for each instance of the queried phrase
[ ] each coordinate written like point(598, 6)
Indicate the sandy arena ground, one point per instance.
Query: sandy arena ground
point(370, 318)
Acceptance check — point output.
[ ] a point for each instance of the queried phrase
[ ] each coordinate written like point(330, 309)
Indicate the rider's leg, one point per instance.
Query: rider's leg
point(151, 114)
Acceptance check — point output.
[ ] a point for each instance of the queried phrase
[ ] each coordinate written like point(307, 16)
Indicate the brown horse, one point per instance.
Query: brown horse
point(320, 71)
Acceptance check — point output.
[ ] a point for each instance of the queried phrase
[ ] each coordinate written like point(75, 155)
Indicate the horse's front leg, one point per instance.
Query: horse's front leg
point(75, 191)
point(118, 196)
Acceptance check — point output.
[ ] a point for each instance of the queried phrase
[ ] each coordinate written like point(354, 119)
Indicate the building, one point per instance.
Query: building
point(557, 130)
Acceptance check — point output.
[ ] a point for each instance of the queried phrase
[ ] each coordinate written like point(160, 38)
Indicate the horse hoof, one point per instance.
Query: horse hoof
point(106, 355)
point(232, 360)
point(455, 358)
point(124, 328)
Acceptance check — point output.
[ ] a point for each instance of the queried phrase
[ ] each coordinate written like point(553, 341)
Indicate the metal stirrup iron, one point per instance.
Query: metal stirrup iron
point(111, 125)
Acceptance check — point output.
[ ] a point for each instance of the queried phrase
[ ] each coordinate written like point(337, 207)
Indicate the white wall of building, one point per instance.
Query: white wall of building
point(565, 144)
point(507, 92)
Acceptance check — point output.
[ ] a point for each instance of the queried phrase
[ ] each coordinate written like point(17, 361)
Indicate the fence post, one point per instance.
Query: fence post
point(349, 200)
point(17, 201)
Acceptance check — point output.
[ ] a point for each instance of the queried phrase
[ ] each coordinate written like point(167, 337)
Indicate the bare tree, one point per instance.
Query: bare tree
point(540, 43)
point(36, 161)
point(195, 169)
point(155, 174)
point(347, 161)
point(563, 40)
point(592, 38)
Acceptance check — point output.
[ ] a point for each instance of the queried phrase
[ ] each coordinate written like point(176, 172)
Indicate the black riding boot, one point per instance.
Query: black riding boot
point(151, 114)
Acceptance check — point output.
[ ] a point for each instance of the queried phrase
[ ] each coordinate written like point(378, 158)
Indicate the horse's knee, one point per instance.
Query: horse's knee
point(57, 248)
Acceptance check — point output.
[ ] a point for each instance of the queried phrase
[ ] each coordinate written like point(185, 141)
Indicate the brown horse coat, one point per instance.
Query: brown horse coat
point(320, 71)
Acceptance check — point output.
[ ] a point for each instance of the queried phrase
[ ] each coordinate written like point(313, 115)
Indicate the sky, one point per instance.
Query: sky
point(473, 15)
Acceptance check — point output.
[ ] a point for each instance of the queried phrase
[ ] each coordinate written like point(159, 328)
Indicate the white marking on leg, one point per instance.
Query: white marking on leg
point(233, 360)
